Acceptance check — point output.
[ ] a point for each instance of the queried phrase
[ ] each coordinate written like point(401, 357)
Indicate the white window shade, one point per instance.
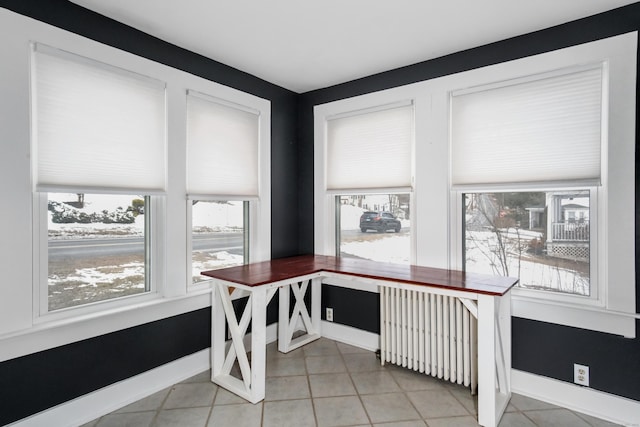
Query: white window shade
point(370, 150)
point(96, 127)
point(548, 130)
point(222, 147)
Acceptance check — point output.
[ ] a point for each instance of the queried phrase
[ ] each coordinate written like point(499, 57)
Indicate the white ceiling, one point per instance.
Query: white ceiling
point(304, 45)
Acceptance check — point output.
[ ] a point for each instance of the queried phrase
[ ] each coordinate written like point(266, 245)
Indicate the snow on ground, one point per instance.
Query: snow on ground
point(206, 217)
point(389, 247)
point(532, 272)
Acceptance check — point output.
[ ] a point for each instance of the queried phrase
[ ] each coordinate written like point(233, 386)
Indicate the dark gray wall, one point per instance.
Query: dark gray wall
point(39, 381)
point(540, 348)
point(31, 384)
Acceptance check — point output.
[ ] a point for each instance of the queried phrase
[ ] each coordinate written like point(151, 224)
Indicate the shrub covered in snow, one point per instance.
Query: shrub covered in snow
point(64, 214)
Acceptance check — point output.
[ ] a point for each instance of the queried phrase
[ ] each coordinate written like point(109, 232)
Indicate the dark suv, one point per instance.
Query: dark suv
point(379, 221)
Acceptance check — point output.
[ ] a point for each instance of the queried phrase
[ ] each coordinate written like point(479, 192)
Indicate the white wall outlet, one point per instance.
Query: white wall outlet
point(581, 374)
point(329, 315)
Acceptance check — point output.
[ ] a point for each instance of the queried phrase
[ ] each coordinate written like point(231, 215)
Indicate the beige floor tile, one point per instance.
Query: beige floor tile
point(556, 417)
point(282, 388)
point(321, 347)
point(289, 413)
point(339, 411)
point(191, 395)
point(389, 407)
point(242, 415)
point(436, 404)
point(331, 385)
point(188, 417)
point(149, 403)
point(325, 364)
point(362, 362)
point(140, 419)
point(374, 382)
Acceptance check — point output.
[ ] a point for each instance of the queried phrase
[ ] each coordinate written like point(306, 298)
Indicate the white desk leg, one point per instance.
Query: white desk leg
point(218, 331)
point(494, 358)
point(251, 385)
point(287, 325)
point(258, 344)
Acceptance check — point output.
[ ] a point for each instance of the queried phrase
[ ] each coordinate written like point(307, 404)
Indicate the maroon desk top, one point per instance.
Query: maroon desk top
point(262, 273)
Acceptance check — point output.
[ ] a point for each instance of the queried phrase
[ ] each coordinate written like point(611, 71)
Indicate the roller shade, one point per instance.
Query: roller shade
point(222, 147)
point(96, 127)
point(370, 149)
point(544, 130)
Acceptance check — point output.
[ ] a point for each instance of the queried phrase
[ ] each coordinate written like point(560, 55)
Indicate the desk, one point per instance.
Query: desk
point(487, 298)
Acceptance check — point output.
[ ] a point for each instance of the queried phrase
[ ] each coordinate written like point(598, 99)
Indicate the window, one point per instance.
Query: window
point(97, 246)
point(543, 238)
point(99, 152)
point(223, 182)
point(367, 164)
point(375, 226)
point(219, 235)
point(554, 134)
point(542, 130)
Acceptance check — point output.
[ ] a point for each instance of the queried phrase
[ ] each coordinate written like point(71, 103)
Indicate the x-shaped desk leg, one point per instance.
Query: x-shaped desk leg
point(251, 385)
point(288, 326)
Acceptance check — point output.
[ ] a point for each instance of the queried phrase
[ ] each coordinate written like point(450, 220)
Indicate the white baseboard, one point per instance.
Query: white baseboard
point(351, 336)
point(111, 398)
point(606, 406)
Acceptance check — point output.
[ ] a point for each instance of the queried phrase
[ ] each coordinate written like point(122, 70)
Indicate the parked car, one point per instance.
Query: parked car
point(379, 221)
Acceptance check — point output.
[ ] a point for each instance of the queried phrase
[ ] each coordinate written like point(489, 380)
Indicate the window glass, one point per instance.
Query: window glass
point(219, 235)
point(375, 226)
point(543, 238)
point(96, 248)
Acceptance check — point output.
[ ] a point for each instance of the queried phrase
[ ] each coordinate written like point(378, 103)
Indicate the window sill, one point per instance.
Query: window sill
point(56, 332)
point(574, 315)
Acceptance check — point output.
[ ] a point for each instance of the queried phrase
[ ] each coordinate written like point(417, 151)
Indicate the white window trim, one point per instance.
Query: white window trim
point(40, 263)
point(259, 239)
point(22, 330)
point(324, 199)
point(437, 241)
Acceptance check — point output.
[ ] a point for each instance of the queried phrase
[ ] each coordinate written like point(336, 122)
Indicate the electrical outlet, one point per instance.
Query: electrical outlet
point(329, 315)
point(581, 374)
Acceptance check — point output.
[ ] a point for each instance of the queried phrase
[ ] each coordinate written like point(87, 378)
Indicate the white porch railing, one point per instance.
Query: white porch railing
point(570, 231)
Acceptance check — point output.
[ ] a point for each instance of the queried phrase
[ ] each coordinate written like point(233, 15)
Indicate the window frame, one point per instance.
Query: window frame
point(154, 276)
point(337, 239)
point(169, 293)
point(596, 256)
point(250, 221)
point(325, 206)
point(436, 241)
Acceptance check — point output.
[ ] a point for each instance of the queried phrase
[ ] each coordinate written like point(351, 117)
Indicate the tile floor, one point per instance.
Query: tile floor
point(326, 383)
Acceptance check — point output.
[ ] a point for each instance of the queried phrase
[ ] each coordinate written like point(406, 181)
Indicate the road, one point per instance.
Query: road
point(230, 242)
point(78, 248)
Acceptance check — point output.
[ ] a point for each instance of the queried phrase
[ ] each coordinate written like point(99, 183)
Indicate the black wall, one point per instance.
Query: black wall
point(33, 383)
point(540, 348)
point(39, 381)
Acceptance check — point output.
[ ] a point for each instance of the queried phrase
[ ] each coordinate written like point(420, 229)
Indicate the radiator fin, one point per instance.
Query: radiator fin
point(429, 333)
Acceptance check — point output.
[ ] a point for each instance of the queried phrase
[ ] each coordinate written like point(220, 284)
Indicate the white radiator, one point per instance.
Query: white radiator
point(429, 333)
